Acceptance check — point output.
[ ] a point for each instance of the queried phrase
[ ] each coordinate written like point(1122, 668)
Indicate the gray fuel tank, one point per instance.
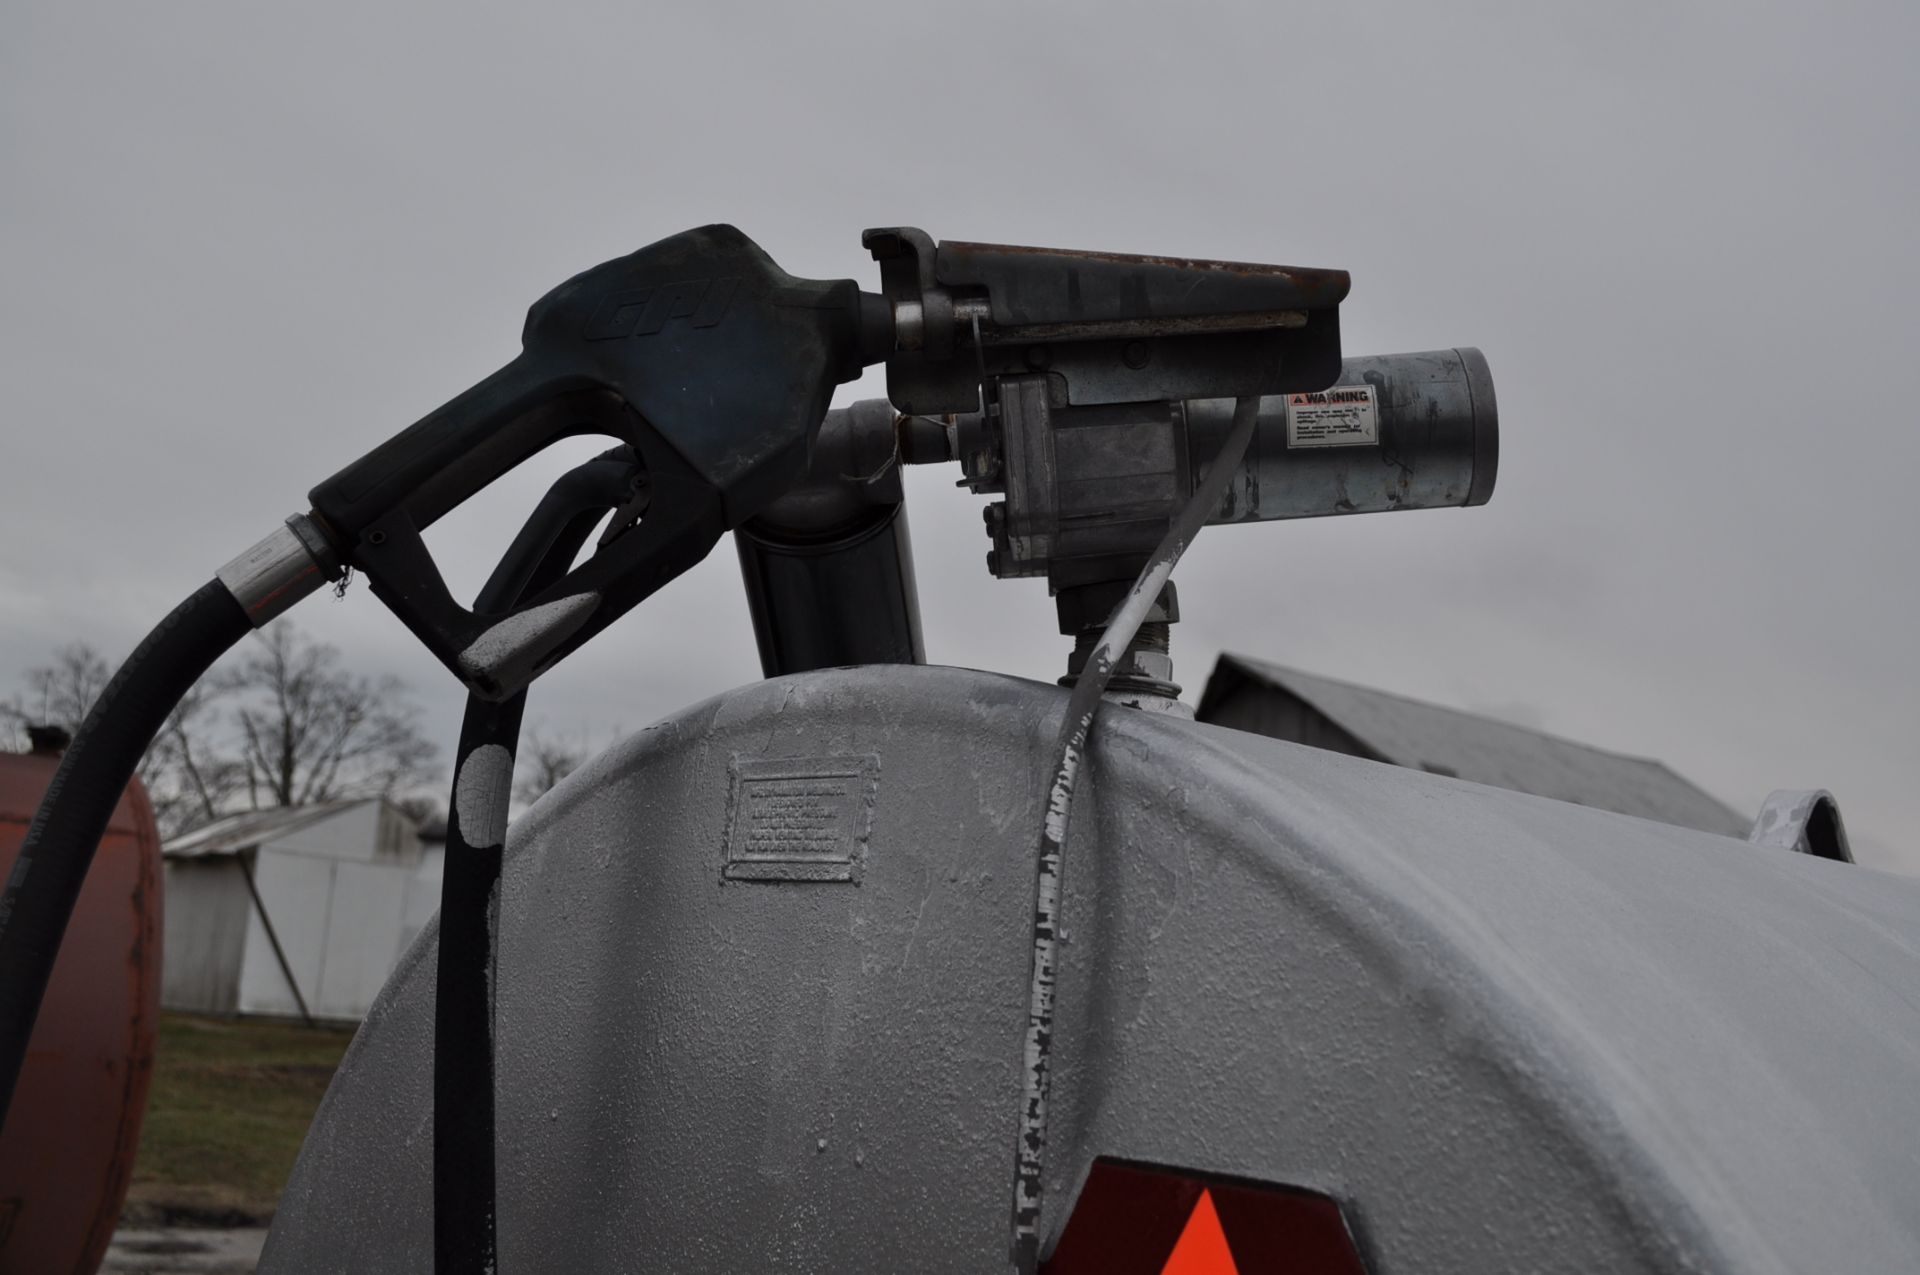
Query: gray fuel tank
point(762, 987)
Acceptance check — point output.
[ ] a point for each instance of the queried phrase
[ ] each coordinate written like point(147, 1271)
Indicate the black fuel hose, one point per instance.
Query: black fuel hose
point(73, 816)
point(288, 565)
point(464, 1153)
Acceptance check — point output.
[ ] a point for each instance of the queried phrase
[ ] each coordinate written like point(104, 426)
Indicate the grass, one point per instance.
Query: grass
point(230, 1104)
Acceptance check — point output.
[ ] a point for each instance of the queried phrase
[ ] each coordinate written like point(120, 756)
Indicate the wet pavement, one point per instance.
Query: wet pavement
point(178, 1250)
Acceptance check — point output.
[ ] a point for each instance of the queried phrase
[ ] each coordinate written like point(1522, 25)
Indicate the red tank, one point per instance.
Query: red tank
point(66, 1154)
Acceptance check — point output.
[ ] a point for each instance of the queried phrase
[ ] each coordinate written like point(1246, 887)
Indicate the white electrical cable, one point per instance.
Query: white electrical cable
point(1075, 728)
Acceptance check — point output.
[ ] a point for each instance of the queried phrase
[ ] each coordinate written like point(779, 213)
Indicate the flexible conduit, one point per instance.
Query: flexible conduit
point(1029, 1179)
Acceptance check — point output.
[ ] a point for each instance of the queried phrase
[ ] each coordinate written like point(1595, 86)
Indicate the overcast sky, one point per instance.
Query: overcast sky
point(241, 244)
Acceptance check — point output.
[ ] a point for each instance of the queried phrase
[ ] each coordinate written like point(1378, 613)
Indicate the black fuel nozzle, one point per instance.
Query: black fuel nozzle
point(698, 352)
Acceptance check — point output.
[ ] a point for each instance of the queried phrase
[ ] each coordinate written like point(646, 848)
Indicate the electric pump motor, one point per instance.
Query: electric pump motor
point(1087, 490)
point(1396, 431)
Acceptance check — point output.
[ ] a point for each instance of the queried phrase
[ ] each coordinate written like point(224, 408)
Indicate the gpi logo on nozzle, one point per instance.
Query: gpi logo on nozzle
point(644, 311)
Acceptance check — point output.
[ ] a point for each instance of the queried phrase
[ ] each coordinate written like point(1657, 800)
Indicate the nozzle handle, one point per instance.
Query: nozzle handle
point(698, 352)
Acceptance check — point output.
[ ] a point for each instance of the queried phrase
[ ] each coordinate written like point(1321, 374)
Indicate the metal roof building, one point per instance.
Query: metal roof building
point(1284, 703)
point(299, 911)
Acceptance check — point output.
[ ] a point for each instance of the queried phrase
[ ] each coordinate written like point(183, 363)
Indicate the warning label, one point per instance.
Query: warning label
point(1344, 416)
point(800, 818)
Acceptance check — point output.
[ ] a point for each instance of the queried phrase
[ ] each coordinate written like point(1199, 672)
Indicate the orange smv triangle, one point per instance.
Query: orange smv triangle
point(1202, 1249)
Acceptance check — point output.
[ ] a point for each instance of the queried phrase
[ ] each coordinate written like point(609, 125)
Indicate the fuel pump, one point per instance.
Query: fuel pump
point(1114, 403)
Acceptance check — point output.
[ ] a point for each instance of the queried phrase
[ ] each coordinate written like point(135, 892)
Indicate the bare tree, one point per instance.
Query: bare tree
point(543, 761)
point(188, 776)
point(424, 810)
point(310, 731)
point(61, 692)
point(185, 778)
point(284, 725)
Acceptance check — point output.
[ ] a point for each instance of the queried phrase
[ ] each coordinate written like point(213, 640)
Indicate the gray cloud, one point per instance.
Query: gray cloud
point(241, 245)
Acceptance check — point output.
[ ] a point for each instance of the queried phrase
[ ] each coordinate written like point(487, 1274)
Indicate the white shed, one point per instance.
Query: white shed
point(298, 911)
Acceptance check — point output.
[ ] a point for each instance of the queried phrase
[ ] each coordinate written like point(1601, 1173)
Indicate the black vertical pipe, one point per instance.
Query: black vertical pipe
point(844, 599)
point(463, 1073)
point(828, 567)
point(464, 1175)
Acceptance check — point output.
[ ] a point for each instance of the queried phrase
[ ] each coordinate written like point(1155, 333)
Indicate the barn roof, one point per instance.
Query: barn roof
point(1422, 736)
point(250, 828)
